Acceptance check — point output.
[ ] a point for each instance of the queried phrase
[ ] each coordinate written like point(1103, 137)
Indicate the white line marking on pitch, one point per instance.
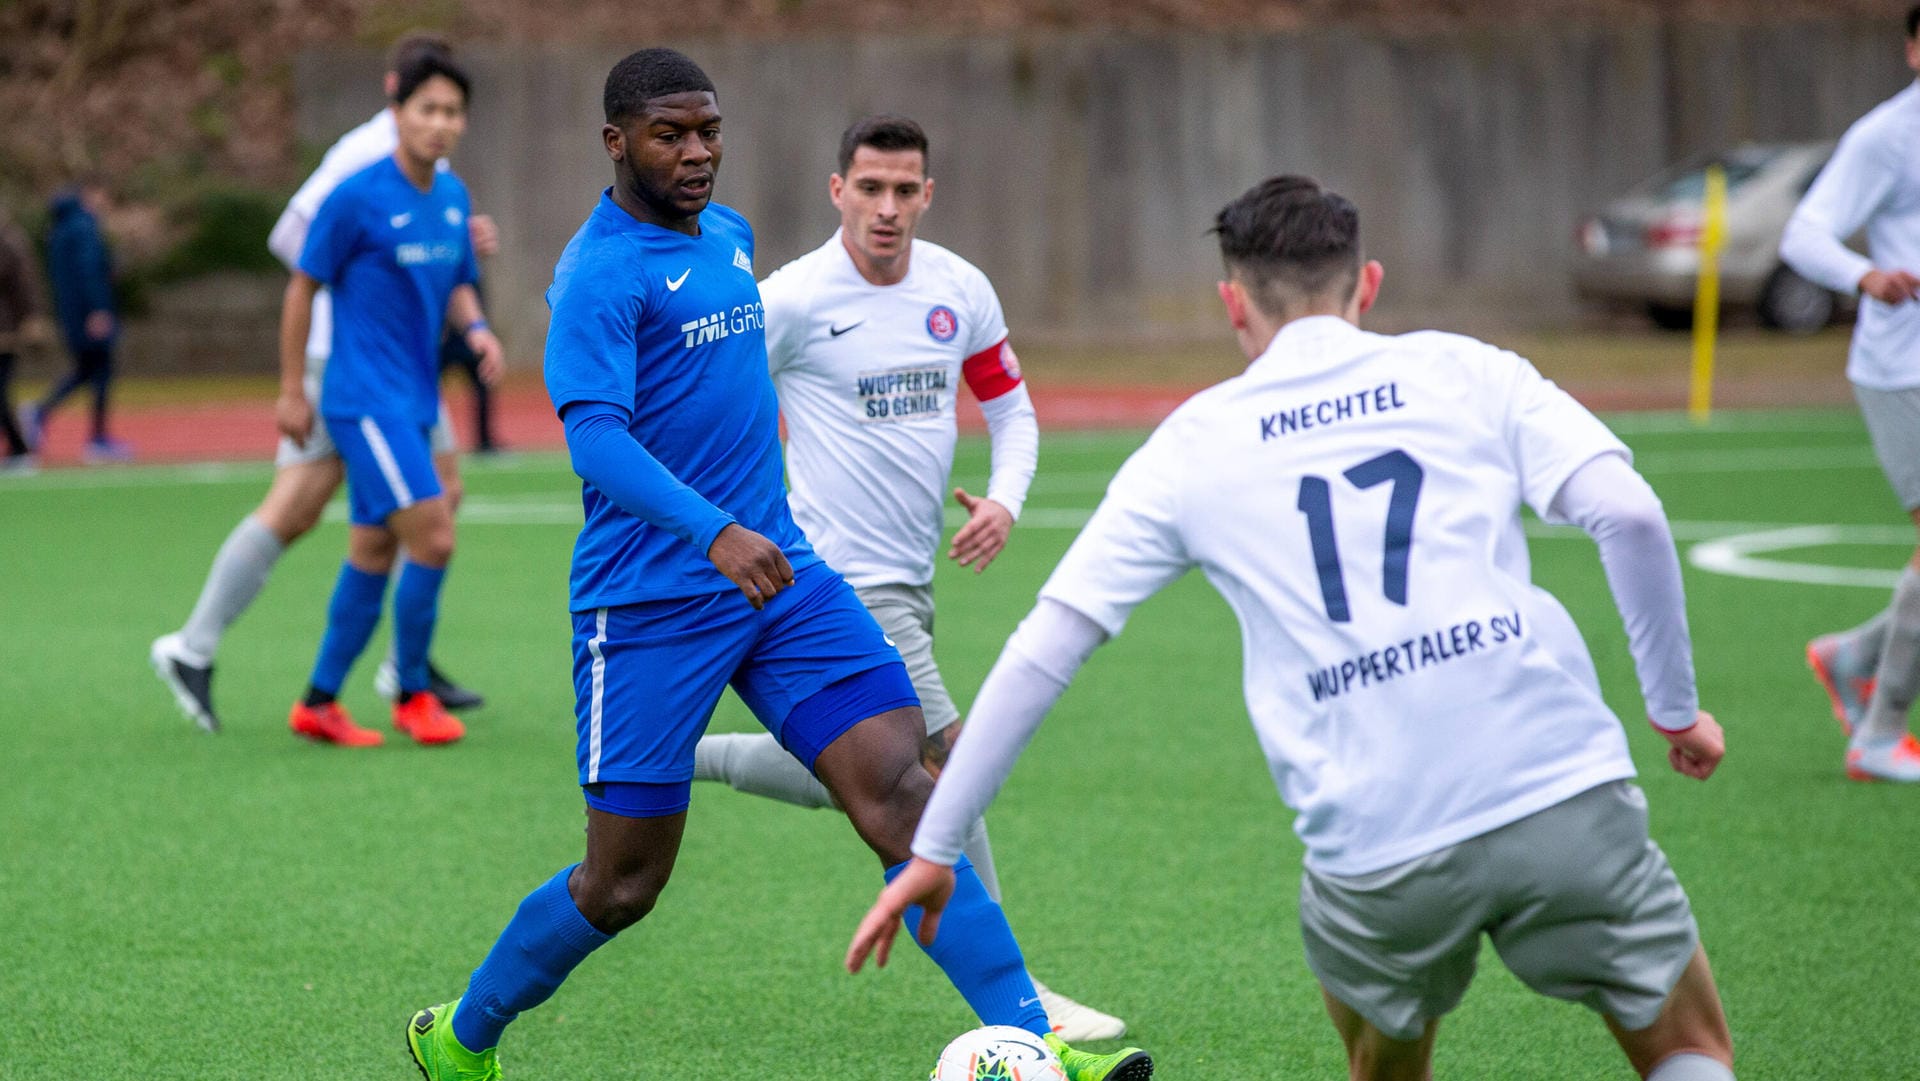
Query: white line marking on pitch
point(1741, 554)
point(1756, 460)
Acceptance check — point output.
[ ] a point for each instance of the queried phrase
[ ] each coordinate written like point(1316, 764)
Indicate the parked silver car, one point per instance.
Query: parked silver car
point(1644, 247)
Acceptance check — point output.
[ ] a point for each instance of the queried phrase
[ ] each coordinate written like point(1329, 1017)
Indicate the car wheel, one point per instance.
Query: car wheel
point(1791, 303)
point(1670, 317)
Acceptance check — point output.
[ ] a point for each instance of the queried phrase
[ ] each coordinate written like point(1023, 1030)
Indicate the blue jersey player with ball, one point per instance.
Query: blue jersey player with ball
point(690, 576)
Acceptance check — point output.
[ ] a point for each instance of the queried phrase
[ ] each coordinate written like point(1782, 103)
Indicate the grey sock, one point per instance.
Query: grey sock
point(1867, 640)
point(980, 853)
point(1689, 1066)
point(1898, 676)
point(756, 763)
point(239, 571)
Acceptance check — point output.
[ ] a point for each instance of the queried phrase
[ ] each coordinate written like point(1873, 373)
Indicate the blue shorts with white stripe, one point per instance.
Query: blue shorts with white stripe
point(647, 676)
point(389, 465)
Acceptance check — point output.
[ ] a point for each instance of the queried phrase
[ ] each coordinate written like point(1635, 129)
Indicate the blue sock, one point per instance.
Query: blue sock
point(351, 617)
point(416, 606)
point(976, 949)
point(543, 942)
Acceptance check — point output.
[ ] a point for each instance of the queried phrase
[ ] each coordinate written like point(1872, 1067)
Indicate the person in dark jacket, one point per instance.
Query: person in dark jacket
point(454, 353)
point(82, 271)
point(20, 320)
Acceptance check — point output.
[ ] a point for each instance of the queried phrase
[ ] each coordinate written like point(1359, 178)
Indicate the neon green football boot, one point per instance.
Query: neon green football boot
point(1127, 1064)
point(440, 1056)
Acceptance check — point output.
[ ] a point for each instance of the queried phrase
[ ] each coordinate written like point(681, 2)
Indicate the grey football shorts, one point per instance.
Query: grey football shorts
point(1579, 902)
point(320, 445)
point(1893, 421)
point(905, 613)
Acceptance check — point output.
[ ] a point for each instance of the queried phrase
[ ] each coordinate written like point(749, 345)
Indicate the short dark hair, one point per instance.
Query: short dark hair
point(1913, 21)
point(650, 74)
point(415, 43)
point(883, 132)
point(1291, 240)
point(424, 66)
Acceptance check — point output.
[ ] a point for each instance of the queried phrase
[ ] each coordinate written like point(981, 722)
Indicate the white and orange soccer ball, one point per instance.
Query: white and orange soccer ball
point(998, 1053)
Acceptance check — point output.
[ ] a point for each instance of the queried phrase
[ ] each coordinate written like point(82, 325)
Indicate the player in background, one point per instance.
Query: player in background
point(392, 243)
point(307, 474)
point(869, 337)
point(689, 563)
point(1872, 672)
point(1432, 716)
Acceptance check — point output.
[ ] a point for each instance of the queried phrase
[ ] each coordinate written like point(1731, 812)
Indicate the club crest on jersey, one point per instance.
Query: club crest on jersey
point(740, 260)
point(943, 324)
point(454, 217)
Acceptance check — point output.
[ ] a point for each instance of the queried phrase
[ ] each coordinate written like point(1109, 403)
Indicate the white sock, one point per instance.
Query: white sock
point(1898, 676)
point(240, 569)
point(1688, 1066)
point(756, 763)
point(980, 853)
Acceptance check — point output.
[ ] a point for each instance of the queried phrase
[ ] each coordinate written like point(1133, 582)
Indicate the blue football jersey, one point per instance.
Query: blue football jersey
point(670, 328)
point(392, 254)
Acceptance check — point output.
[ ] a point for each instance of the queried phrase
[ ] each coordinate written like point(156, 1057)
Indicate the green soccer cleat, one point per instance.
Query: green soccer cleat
point(440, 1056)
point(1128, 1064)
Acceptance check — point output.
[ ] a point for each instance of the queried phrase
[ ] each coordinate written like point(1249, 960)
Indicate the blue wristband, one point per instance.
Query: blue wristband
point(477, 324)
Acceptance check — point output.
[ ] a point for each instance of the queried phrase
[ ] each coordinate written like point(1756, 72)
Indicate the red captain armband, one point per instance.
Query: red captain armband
point(991, 372)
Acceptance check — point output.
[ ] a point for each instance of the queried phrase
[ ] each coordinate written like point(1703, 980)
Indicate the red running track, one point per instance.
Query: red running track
point(523, 420)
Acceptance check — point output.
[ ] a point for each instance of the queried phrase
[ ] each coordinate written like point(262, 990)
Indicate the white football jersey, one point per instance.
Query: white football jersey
point(1355, 498)
point(1871, 182)
point(867, 377)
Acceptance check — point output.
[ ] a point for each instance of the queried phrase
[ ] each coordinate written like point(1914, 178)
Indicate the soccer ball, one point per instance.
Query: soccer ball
point(998, 1053)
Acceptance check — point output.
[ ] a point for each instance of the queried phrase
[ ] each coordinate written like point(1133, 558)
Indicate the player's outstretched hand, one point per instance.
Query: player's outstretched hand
point(752, 562)
point(1696, 751)
point(985, 533)
point(493, 355)
point(293, 415)
point(484, 235)
point(929, 885)
point(1890, 286)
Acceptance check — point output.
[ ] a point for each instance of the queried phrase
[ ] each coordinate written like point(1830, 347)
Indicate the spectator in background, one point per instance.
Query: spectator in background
point(454, 352)
point(20, 320)
point(82, 271)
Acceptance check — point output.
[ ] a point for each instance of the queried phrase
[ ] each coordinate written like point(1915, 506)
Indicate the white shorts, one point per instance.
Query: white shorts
point(1893, 421)
point(320, 445)
point(905, 613)
point(1579, 902)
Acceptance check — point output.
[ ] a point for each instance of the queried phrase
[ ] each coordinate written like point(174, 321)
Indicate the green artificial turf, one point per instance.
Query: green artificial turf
point(174, 905)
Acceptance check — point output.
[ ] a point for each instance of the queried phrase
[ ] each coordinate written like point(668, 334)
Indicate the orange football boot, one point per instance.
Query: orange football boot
point(330, 724)
point(426, 720)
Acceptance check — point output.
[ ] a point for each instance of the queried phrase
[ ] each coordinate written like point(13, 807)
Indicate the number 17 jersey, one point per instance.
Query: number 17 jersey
point(1355, 498)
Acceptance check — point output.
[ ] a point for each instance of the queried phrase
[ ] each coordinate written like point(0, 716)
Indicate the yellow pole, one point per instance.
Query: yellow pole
point(1706, 300)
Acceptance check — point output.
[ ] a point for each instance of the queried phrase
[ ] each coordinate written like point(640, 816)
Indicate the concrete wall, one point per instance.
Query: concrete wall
point(1082, 171)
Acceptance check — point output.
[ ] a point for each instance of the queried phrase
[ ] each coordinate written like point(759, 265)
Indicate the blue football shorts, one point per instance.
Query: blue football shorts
point(389, 466)
point(647, 676)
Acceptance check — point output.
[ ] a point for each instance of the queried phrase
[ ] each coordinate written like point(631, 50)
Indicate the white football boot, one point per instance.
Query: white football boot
point(1075, 1023)
point(1882, 760)
point(189, 677)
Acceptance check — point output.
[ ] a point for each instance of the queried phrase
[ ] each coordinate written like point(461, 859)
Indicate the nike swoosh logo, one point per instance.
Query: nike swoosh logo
point(837, 331)
point(674, 284)
point(399, 221)
point(1025, 1002)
